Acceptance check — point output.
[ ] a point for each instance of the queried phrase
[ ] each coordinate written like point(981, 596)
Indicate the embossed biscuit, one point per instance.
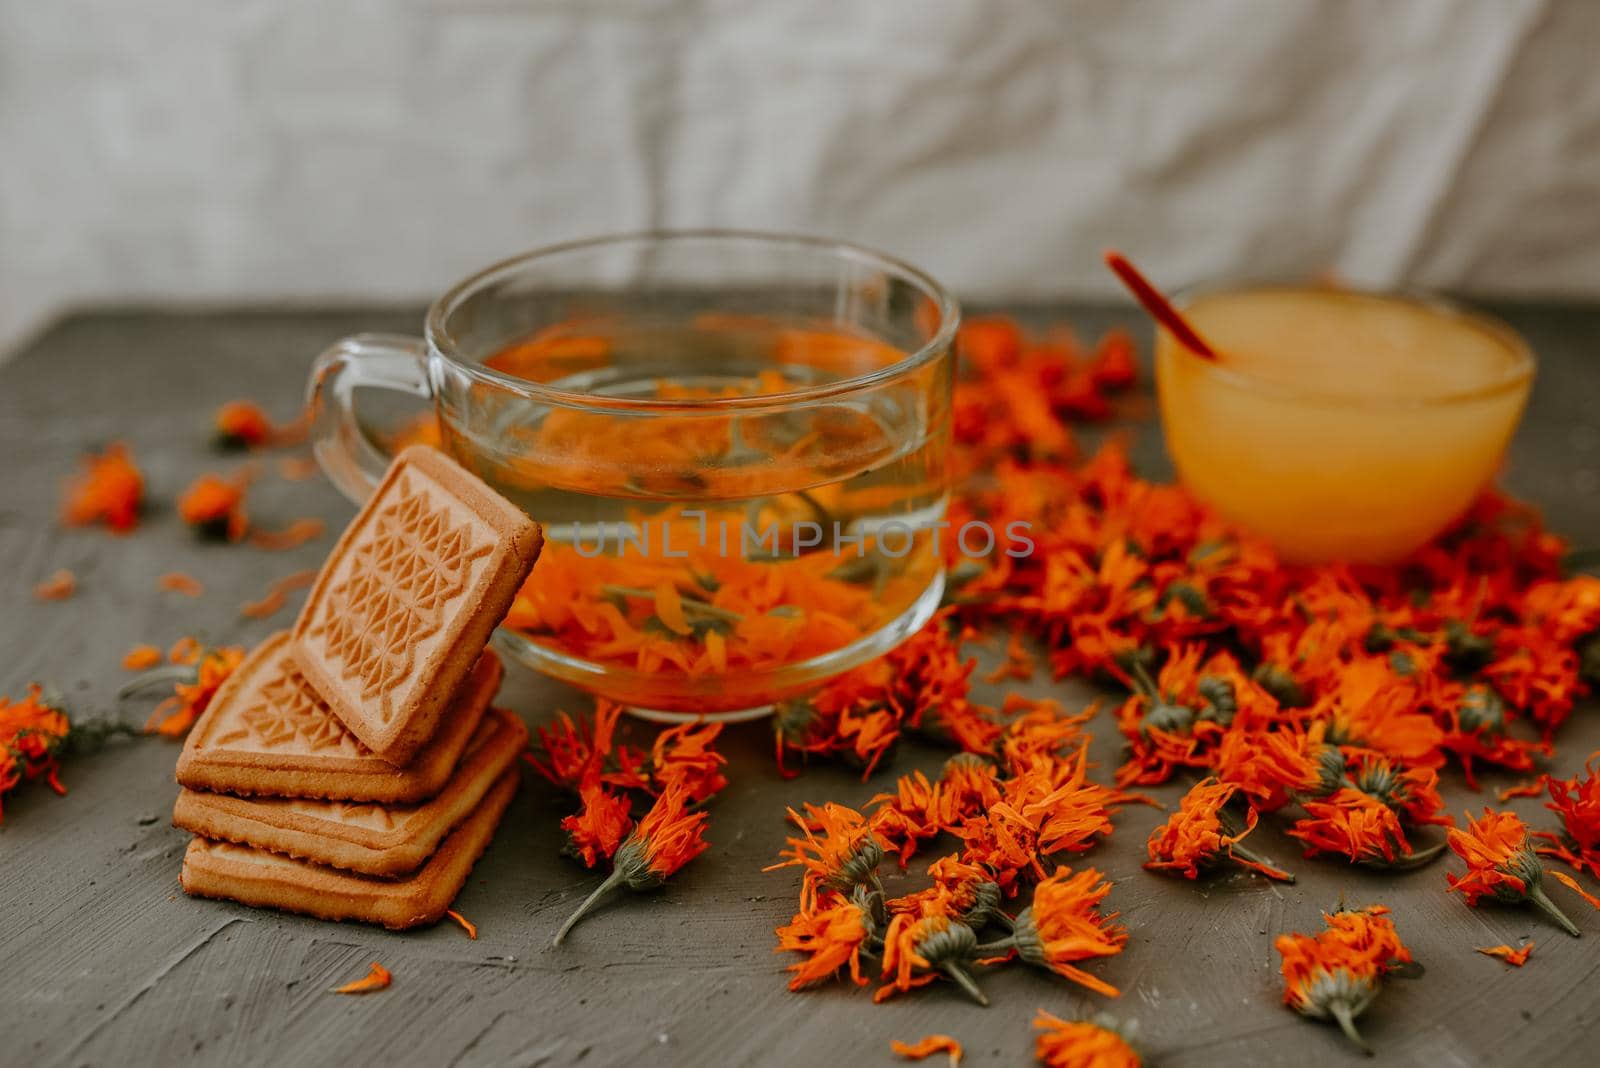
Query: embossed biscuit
point(409, 597)
point(271, 880)
point(359, 836)
point(268, 732)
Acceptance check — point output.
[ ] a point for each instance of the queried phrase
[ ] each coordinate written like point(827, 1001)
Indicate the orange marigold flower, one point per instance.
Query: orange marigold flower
point(1514, 957)
point(213, 506)
point(596, 831)
point(1063, 925)
point(197, 682)
point(32, 731)
point(573, 750)
point(1577, 802)
point(1337, 974)
point(1043, 811)
point(241, 424)
point(1198, 835)
point(833, 937)
point(838, 851)
point(110, 491)
point(1412, 792)
point(927, 1047)
point(667, 838)
point(1362, 828)
point(1270, 766)
point(963, 891)
point(1098, 1043)
point(683, 754)
point(1501, 864)
point(917, 950)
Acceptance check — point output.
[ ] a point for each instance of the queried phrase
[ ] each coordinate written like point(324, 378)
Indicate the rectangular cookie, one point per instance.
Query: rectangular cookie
point(271, 880)
point(268, 732)
point(408, 598)
point(373, 839)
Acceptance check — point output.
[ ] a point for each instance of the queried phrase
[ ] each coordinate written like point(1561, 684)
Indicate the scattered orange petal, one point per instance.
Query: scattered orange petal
point(277, 595)
point(378, 978)
point(466, 924)
point(297, 468)
point(185, 651)
point(927, 1047)
point(1572, 884)
point(1515, 957)
point(1532, 788)
point(141, 658)
point(292, 536)
point(58, 587)
point(178, 582)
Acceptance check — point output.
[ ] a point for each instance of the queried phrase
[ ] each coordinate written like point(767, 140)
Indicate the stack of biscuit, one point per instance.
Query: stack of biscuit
point(353, 768)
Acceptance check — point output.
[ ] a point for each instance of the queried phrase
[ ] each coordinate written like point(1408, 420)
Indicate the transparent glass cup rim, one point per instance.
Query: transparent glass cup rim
point(442, 343)
point(1516, 375)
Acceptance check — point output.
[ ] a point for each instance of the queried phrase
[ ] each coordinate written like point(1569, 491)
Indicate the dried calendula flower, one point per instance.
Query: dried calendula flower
point(1338, 973)
point(596, 831)
point(838, 852)
point(1100, 1042)
point(927, 1047)
point(110, 491)
point(667, 838)
point(32, 731)
point(1502, 865)
point(1200, 835)
point(196, 674)
point(1063, 925)
point(1577, 802)
point(213, 506)
point(833, 937)
point(1514, 957)
point(1362, 828)
point(241, 424)
point(917, 950)
point(377, 978)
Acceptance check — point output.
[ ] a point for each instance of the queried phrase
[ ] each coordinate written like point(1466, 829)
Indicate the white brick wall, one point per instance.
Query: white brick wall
point(265, 149)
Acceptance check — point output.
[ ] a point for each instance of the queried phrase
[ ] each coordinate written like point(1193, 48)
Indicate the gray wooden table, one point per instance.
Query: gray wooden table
point(104, 961)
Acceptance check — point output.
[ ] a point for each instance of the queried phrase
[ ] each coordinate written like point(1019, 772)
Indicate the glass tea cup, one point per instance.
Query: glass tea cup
point(1340, 424)
point(737, 444)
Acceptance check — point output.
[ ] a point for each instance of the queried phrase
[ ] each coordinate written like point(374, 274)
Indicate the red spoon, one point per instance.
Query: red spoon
point(1159, 307)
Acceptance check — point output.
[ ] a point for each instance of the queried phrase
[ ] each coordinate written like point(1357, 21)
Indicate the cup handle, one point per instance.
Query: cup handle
point(381, 361)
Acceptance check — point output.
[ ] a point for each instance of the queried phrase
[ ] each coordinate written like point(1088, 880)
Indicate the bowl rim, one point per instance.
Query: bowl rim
point(1517, 375)
point(445, 346)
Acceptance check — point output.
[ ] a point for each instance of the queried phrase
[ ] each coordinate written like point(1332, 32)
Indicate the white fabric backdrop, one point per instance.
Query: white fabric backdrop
point(269, 149)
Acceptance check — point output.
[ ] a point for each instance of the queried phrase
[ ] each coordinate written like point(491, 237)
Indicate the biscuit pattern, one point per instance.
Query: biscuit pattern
point(284, 712)
point(407, 577)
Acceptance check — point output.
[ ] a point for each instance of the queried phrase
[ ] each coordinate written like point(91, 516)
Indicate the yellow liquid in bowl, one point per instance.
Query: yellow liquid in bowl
point(1340, 425)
